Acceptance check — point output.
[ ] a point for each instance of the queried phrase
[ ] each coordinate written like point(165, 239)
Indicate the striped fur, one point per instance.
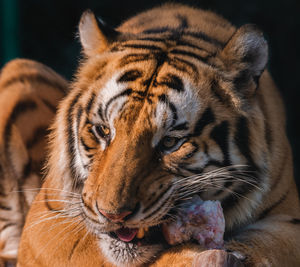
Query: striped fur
point(29, 93)
point(172, 75)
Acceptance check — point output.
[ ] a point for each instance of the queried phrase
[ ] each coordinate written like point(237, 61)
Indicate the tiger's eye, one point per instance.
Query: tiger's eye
point(102, 131)
point(168, 142)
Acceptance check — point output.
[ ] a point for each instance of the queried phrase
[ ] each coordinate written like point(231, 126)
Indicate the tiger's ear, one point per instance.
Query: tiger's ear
point(246, 51)
point(95, 35)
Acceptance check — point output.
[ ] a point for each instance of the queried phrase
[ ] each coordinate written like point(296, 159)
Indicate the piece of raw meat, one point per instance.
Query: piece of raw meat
point(200, 220)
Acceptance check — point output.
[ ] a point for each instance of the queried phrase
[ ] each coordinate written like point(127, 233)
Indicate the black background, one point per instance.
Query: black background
point(47, 33)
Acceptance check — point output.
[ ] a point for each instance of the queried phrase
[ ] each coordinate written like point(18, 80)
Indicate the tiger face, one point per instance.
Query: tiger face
point(156, 116)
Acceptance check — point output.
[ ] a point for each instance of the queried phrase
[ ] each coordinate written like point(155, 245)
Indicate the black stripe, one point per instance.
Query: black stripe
point(85, 146)
point(4, 207)
point(244, 188)
point(207, 118)
point(242, 141)
point(205, 147)
point(220, 94)
point(158, 30)
point(90, 103)
point(123, 111)
point(6, 226)
point(179, 66)
point(132, 58)
point(156, 200)
point(231, 200)
point(173, 82)
point(183, 22)
point(220, 134)
point(174, 113)
point(191, 153)
point(206, 38)
point(49, 105)
point(181, 52)
point(39, 134)
point(190, 45)
point(186, 167)
point(137, 98)
point(71, 135)
point(93, 135)
point(213, 162)
point(241, 80)
point(200, 170)
point(152, 39)
point(89, 208)
point(295, 221)
point(185, 62)
point(100, 112)
point(2, 176)
point(127, 92)
point(35, 78)
point(20, 109)
point(155, 211)
point(26, 169)
point(2, 193)
point(130, 76)
point(160, 58)
point(167, 199)
point(180, 127)
point(143, 46)
point(163, 98)
point(265, 212)
point(141, 93)
point(158, 178)
point(101, 67)
point(79, 116)
point(73, 249)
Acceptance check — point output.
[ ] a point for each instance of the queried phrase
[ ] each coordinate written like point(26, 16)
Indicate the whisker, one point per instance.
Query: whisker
point(53, 238)
point(51, 215)
point(47, 188)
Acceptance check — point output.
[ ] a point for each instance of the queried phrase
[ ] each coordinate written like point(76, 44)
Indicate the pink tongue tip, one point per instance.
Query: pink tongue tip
point(126, 234)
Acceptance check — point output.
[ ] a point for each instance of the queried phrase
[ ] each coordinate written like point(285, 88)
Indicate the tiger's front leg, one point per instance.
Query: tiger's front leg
point(273, 241)
point(194, 255)
point(269, 242)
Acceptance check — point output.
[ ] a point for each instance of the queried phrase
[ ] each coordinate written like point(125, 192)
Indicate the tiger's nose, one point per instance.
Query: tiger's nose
point(119, 217)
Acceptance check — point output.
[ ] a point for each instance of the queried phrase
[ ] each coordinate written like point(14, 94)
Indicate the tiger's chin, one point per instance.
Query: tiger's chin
point(134, 252)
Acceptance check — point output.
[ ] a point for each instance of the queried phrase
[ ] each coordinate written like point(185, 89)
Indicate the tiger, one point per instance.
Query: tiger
point(29, 94)
point(175, 102)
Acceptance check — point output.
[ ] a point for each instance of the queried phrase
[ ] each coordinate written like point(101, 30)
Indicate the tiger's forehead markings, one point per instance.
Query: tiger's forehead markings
point(175, 111)
point(110, 99)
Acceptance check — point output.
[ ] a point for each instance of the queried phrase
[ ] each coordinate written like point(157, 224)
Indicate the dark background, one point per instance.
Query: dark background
point(45, 30)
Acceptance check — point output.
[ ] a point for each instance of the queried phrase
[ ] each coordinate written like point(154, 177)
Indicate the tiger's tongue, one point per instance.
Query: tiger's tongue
point(126, 234)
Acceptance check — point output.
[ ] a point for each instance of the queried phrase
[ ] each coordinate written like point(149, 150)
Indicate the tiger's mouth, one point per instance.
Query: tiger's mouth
point(140, 236)
point(132, 246)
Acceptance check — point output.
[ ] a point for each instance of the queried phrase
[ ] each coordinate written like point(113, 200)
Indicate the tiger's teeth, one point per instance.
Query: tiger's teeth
point(141, 232)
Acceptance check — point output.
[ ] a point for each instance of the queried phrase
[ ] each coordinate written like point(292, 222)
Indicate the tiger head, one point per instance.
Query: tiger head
point(160, 111)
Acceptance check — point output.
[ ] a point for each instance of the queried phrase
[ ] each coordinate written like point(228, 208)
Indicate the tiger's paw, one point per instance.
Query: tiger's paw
point(218, 258)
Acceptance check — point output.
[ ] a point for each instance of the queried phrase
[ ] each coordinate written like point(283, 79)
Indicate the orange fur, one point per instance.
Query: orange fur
point(160, 68)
